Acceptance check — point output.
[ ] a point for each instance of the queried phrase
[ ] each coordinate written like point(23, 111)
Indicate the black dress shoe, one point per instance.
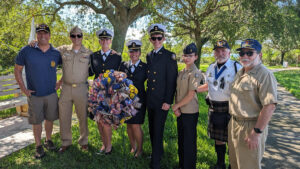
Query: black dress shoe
point(108, 153)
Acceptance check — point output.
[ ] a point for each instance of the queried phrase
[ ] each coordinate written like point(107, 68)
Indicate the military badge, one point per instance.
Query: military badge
point(155, 28)
point(104, 32)
point(133, 44)
point(53, 63)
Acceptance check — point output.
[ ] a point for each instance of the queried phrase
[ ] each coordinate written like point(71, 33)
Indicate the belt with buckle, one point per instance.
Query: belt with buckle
point(74, 84)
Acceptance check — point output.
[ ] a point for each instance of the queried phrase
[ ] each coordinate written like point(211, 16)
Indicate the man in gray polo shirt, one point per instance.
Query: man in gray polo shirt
point(40, 65)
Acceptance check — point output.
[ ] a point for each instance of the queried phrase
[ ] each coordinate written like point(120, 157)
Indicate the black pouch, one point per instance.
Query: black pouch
point(207, 100)
point(220, 120)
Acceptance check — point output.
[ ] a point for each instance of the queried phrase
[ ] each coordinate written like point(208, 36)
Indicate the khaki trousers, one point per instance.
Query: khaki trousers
point(78, 96)
point(240, 156)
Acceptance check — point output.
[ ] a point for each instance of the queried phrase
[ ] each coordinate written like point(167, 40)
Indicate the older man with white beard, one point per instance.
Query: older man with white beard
point(252, 102)
point(219, 75)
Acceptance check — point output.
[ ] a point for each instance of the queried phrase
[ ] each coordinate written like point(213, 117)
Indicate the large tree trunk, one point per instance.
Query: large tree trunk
point(282, 57)
point(120, 30)
point(199, 43)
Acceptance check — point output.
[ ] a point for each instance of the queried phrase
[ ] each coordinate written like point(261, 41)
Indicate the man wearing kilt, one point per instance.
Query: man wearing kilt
point(219, 76)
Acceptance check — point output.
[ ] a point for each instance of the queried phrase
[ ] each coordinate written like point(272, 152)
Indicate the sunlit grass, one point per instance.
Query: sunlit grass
point(290, 79)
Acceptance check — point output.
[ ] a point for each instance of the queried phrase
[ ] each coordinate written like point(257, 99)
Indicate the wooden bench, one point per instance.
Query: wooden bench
point(9, 86)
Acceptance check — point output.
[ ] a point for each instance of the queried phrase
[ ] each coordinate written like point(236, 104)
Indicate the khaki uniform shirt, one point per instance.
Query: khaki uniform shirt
point(75, 65)
point(251, 91)
point(187, 80)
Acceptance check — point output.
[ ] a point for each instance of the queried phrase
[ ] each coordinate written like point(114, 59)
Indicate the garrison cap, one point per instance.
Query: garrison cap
point(156, 29)
point(189, 49)
point(250, 44)
point(221, 44)
point(42, 27)
point(134, 45)
point(105, 33)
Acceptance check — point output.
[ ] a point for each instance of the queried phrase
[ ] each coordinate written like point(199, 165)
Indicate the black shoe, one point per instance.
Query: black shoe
point(49, 145)
point(39, 152)
point(108, 153)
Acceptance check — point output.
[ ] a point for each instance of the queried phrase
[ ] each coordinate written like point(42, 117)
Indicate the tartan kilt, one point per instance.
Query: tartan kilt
point(218, 119)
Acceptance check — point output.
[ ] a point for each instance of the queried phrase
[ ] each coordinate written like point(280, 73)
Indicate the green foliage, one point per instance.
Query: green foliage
point(290, 80)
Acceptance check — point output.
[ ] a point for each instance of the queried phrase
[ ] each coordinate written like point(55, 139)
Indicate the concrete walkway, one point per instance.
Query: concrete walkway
point(283, 142)
point(16, 134)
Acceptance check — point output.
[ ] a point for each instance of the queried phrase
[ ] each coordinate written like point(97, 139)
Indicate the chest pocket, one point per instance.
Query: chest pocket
point(246, 87)
point(84, 60)
point(66, 57)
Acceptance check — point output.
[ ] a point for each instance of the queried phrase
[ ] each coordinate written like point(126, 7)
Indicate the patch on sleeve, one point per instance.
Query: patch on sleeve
point(173, 56)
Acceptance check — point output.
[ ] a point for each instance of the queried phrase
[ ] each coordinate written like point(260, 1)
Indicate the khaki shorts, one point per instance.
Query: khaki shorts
point(42, 108)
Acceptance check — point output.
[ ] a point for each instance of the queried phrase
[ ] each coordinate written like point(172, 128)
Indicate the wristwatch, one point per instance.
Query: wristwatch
point(257, 130)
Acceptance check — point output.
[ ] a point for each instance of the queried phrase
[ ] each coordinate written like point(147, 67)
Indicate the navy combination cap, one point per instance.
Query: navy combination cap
point(105, 33)
point(221, 44)
point(134, 45)
point(157, 29)
point(250, 44)
point(189, 49)
point(42, 27)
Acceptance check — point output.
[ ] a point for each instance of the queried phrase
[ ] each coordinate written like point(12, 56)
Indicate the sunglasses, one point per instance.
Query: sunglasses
point(74, 36)
point(156, 38)
point(249, 53)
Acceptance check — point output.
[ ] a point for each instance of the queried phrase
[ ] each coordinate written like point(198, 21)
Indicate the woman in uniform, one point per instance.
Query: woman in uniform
point(136, 71)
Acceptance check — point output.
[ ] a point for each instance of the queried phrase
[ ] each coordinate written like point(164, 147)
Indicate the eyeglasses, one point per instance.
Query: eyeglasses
point(249, 53)
point(156, 38)
point(74, 36)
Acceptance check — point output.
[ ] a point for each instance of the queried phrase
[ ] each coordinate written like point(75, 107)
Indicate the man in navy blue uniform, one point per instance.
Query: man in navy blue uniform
point(40, 64)
point(162, 73)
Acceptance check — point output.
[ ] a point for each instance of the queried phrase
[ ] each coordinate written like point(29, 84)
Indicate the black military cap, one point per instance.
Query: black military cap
point(42, 27)
point(221, 44)
point(134, 45)
point(189, 49)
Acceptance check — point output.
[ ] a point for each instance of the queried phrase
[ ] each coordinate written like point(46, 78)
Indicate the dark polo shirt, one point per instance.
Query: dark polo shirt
point(40, 68)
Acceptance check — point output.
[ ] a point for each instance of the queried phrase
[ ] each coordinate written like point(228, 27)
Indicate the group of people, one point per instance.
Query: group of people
point(241, 96)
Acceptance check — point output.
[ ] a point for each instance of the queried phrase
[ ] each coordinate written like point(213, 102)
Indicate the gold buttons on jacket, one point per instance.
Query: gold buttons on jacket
point(152, 88)
point(148, 71)
point(153, 80)
point(154, 72)
point(103, 64)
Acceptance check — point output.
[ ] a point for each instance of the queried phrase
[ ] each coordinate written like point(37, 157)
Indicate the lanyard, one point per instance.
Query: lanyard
point(218, 74)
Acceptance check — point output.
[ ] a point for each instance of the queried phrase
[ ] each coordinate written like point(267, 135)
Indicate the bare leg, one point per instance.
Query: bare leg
point(100, 128)
point(48, 129)
point(138, 136)
point(131, 137)
point(107, 137)
point(37, 133)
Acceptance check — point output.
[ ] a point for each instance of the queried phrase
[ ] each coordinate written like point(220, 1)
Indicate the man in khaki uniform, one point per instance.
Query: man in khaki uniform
point(252, 102)
point(74, 90)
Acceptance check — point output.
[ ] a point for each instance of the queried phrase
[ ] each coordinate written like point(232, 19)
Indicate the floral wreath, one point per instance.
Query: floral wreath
point(113, 98)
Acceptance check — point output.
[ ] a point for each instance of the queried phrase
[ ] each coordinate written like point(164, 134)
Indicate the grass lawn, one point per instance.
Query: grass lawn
point(120, 157)
point(290, 79)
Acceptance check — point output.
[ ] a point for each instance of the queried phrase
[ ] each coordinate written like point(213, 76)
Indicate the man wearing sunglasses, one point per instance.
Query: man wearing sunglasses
point(74, 88)
point(162, 73)
point(219, 75)
point(252, 102)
